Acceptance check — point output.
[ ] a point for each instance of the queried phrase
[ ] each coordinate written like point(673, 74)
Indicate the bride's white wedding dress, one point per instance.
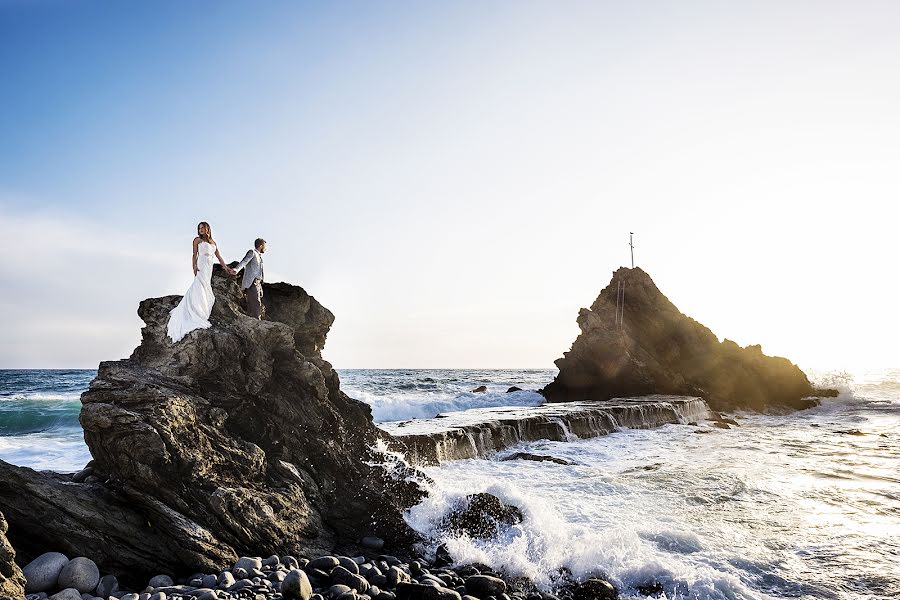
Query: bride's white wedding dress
point(195, 307)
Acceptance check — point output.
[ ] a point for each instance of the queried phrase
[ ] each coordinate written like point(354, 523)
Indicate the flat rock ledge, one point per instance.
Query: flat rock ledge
point(476, 433)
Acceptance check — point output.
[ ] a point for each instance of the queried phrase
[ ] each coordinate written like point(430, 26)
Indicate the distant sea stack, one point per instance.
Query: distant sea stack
point(237, 440)
point(650, 347)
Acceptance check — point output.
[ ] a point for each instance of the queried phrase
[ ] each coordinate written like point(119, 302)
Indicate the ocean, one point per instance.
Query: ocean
point(804, 505)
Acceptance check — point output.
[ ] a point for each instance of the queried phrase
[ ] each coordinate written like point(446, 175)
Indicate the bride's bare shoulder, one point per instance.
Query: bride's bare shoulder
point(197, 241)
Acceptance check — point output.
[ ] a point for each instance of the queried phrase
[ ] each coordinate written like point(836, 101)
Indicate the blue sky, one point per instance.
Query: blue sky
point(454, 180)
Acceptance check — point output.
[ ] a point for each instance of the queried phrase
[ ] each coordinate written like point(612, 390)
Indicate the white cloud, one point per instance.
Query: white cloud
point(70, 290)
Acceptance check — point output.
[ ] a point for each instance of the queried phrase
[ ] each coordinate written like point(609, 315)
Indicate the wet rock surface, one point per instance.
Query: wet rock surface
point(645, 345)
point(482, 516)
point(537, 458)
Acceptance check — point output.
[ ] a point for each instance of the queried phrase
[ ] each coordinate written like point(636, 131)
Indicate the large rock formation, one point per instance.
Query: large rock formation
point(236, 440)
point(659, 350)
point(12, 583)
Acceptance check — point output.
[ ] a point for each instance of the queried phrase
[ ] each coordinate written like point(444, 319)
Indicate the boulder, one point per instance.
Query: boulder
point(296, 586)
point(594, 589)
point(159, 581)
point(480, 389)
point(482, 586)
point(67, 594)
point(42, 573)
point(215, 447)
point(248, 563)
point(323, 563)
point(481, 516)
point(349, 564)
point(80, 573)
point(650, 347)
point(12, 581)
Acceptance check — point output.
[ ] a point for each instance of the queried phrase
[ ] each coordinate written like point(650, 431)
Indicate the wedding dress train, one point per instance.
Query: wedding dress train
point(196, 305)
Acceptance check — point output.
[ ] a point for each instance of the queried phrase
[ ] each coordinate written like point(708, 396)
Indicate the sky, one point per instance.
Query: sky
point(455, 180)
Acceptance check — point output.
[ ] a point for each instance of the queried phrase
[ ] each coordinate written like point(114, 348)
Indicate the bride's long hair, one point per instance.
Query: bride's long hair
point(206, 237)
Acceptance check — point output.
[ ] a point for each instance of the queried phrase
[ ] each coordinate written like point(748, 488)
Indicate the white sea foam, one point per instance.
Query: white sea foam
point(399, 395)
point(393, 408)
point(41, 396)
point(46, 451)
point(802, 505)
point(564, 532)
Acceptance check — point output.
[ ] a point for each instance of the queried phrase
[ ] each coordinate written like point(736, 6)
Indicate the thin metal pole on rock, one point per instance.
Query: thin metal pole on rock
point(631, 244)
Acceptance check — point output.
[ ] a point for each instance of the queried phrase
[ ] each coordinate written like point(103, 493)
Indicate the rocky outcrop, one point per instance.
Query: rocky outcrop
point(12, 582)
point(479, 432)
point(106, 522)
point(235, 440)
point(658, 350)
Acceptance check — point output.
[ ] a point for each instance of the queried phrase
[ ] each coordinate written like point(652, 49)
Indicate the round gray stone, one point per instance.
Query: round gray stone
point(595, 589)
point(324, 563)
point(80, 573)
point(296, 586)
point(41, 573)
point(277, 576)
point(225, 581)
point(210, 581)
point(248, 563)
point(272, 561)
point(349, 564)
point(160, 581)
point(482, 586)
point(67, 594)
point(158, 596)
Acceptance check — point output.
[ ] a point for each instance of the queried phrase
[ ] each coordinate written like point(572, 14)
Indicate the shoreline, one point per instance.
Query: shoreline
point(383, 577)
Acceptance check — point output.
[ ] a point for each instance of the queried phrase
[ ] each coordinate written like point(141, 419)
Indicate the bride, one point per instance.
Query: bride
point(195, 307)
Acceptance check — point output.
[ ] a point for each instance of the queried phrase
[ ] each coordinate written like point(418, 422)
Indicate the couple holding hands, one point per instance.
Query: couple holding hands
point(196, 305)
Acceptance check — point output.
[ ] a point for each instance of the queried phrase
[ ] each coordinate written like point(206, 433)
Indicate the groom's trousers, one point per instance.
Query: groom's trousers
point(254, 295)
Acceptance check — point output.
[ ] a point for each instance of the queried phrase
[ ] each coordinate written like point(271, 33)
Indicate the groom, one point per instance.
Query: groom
point(252, 264)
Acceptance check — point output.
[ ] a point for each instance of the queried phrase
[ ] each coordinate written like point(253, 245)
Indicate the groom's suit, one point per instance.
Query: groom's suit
point(252, 263)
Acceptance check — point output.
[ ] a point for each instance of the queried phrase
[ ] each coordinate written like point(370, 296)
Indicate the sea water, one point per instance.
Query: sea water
point(804, 505)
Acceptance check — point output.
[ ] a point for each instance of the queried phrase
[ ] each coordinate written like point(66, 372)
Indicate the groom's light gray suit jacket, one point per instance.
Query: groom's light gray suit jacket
point(252, 263)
